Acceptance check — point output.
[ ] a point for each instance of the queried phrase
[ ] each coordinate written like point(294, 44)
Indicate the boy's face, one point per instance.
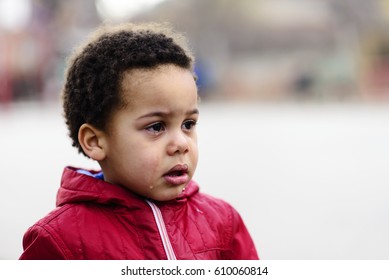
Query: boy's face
point(151, 145)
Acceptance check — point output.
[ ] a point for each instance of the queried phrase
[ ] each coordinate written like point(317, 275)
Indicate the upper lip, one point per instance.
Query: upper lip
point(178, 168)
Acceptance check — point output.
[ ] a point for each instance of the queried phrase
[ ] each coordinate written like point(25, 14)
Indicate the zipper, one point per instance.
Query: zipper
point(167, 245)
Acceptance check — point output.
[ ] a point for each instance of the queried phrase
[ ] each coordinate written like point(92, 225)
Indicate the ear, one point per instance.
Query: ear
point(91, 140)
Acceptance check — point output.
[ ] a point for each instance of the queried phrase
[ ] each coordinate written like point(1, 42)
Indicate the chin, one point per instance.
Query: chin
point(166, 196)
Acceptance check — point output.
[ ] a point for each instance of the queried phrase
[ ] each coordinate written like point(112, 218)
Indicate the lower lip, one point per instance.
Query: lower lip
point(176, 180)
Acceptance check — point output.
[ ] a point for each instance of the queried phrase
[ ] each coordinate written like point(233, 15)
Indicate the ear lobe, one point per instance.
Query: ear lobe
point(91, 139)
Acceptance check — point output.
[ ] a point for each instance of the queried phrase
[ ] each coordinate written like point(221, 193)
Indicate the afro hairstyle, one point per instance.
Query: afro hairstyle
point(92, 90)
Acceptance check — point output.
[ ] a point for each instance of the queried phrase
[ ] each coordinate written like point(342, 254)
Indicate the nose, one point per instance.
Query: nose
point(178, 143)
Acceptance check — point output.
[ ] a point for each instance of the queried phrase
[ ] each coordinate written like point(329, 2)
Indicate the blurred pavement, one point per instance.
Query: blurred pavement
point(310, 181)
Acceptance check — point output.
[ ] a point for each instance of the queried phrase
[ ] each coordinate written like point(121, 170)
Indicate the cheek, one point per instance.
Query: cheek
point(149, 160)
point(137, 157)
point(195, 152)
point(142, 168)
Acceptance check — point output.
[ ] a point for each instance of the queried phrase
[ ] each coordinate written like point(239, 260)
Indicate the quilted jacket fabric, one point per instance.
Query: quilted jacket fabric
point(97, 220)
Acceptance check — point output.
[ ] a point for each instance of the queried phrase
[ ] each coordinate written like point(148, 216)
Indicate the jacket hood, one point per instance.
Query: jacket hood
point(77, 187)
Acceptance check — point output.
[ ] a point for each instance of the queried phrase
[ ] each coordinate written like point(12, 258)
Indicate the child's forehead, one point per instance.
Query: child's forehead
point(155, 80)
point(131, 78)
point(136, 76)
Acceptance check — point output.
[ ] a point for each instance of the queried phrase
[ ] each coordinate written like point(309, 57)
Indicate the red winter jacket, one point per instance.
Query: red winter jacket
point(97, 220)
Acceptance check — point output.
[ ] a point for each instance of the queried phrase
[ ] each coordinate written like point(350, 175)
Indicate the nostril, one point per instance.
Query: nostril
point(179, 143)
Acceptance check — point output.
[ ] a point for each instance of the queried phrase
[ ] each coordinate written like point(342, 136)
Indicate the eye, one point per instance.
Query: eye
point(189, 124)
point(156, 128)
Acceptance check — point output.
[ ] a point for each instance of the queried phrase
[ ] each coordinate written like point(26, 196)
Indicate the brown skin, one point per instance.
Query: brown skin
point(154, 133)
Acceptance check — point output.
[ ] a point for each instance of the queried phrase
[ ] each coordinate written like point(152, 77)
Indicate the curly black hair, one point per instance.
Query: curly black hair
point(93, 78)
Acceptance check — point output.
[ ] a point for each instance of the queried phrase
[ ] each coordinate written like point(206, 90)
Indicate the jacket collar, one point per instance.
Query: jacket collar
point(77, 187)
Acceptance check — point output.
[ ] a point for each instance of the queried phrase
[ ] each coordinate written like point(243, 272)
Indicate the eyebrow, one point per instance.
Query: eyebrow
point(164, 114)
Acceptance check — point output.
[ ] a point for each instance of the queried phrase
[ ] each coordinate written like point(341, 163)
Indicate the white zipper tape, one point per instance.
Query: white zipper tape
point(162, 231)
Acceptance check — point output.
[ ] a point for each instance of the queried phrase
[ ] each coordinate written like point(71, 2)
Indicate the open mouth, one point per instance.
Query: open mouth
point(178, 175)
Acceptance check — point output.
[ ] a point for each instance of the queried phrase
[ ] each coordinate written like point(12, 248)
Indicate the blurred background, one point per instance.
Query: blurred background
point(294, 114)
